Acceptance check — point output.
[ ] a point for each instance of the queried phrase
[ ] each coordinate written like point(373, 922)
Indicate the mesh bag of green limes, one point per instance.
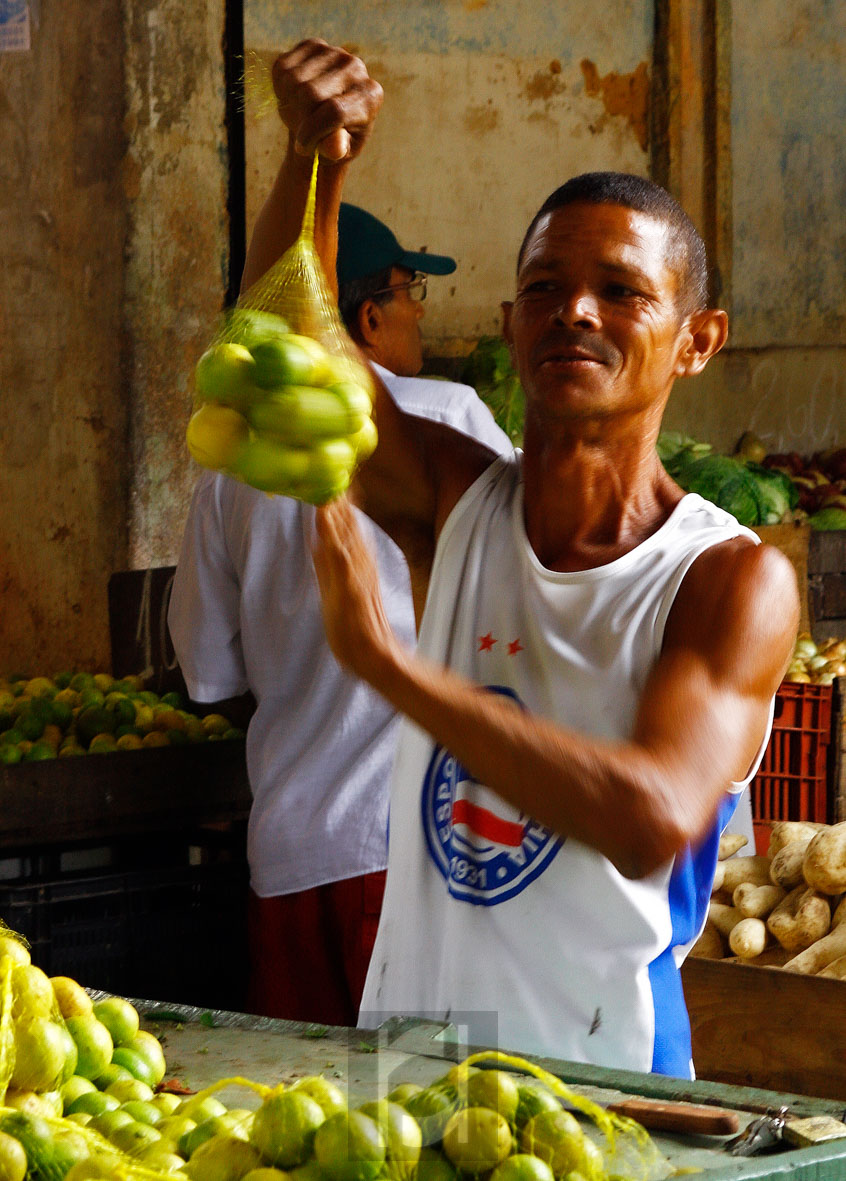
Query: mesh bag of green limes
point(281, 399)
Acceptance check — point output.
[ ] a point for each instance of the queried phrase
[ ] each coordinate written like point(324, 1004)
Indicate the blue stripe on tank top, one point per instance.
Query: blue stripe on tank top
point(688, 896)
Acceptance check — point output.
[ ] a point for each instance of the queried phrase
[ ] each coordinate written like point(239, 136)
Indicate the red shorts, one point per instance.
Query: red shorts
point(309, 951)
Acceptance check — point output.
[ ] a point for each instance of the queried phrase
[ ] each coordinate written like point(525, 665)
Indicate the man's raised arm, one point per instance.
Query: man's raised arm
point(328, 103)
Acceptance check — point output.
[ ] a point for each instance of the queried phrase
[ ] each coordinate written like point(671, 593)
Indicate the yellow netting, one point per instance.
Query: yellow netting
point(629, 1150)
point(282, 399)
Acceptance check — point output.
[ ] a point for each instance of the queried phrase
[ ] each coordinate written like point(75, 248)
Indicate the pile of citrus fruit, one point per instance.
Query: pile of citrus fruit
point(85, 1098)
point(277, 410)
point(89, 713)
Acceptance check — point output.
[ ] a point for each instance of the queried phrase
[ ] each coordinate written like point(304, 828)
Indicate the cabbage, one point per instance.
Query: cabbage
point(828, 518)
point(724, 481)
point(777, 493)
point(489, 370)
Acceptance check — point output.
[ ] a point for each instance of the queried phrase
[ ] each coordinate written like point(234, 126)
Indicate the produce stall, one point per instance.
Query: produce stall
point(128, 869)
point(204, 1047)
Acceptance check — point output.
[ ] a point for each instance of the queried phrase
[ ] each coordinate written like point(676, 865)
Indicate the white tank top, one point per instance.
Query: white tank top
point(533, 942)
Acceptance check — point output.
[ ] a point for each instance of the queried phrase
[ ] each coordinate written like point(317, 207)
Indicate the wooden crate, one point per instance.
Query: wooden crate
point(827, 584)
point(764, 1027)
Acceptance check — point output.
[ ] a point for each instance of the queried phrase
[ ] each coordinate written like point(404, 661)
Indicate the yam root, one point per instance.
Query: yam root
point(723, 917)
point(719, 873)
point(836, 969)
point(709, 945)
point(825, 860)
point(839, 912)
point(748, 938)
point(786, 868)
point(784, 832)
point(774, 956)
point(756, 902)
point(730, 842)
point(800, 919)
point(745, 869)
point(820, 954)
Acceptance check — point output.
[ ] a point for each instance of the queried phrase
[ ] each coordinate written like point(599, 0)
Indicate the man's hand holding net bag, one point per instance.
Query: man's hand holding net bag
point(282, 401)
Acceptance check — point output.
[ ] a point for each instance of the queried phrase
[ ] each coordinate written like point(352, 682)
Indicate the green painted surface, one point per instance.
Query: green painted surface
point(202, 1048)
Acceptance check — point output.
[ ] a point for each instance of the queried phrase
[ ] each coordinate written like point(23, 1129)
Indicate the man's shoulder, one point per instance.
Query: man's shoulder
point(452, 403)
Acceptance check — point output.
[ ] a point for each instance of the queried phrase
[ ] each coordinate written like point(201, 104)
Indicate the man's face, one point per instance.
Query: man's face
point(594, 328)
point(399, 345)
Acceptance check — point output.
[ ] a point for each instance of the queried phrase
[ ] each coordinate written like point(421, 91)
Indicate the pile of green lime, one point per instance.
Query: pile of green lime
point(87, 1100)
point(94, 713)
point(279, 411)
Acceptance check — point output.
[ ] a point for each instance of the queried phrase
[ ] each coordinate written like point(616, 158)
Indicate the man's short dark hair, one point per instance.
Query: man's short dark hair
point(353, 294)
point(686, 249)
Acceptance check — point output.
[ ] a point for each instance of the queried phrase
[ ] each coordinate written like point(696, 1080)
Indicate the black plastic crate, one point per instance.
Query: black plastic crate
point(173, 934)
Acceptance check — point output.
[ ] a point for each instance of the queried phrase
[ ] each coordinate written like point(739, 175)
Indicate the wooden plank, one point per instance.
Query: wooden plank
point(140, 640)
point(767, 1028)
point(121, 794)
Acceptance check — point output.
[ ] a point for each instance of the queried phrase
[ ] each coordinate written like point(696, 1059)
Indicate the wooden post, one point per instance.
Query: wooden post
point(690, 133)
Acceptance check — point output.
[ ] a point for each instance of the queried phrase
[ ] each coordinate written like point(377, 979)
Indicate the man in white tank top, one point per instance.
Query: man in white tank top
point(598, 652)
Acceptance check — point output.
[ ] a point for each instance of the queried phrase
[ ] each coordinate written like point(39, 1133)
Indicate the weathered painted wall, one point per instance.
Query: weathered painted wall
point(784, 372)
point(113, 235)
point(489, 105)
point(177, 256)
point(113, 241)
point(63, 412)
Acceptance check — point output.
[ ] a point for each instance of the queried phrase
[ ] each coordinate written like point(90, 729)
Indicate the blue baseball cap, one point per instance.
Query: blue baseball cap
point(366, 246)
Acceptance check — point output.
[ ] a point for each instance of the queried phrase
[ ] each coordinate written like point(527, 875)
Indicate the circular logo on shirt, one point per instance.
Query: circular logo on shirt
point(486, 850)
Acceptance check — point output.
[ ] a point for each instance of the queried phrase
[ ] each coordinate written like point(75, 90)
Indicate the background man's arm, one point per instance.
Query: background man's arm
point(700, 723)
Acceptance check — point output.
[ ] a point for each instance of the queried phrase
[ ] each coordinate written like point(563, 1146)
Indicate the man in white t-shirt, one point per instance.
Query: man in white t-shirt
point(245, 618)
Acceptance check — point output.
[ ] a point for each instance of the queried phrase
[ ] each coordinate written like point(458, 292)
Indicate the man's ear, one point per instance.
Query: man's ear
point(369, 321)
point(707, 332)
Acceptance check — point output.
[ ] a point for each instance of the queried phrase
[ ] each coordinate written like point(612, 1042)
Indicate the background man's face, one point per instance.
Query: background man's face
point(399, 344)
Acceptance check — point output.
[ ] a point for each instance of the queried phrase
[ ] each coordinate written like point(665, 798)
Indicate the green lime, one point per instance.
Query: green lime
point(403, 1092)
point(432, 1108)
point(284, 1128)
point(477, 1139)
point(325, 1093)
point(31, 725)
point(557, 1138)
point(402, 1135)
point(93, 1103)
point(522, 1166)
point(38, 752)
point(94, 720)
point(349, 1146)
point(495, 1089)
point(61, 713)
point(136, 1064)
point(143, 1110)
point(533, 1097)
point(432, 1165)
point(173, 699)
point(9, 755)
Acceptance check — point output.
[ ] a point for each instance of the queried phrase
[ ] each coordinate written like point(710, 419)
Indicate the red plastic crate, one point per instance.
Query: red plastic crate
point(791, 783)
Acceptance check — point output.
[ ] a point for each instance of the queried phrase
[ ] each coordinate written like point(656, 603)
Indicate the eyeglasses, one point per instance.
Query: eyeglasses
point(415, 287)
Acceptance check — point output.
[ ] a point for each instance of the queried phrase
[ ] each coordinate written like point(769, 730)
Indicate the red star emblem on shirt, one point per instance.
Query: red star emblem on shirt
point(514, 646)
point(486, 643)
